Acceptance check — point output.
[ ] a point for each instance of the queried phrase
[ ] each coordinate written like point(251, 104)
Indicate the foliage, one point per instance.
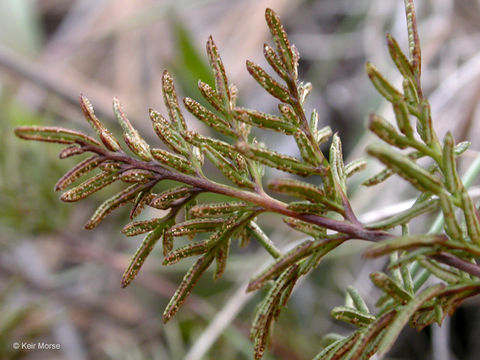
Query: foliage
point(322, 212)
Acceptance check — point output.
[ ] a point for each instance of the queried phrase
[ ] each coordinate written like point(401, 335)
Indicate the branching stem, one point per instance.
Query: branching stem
point(449, 259)
point(354, 230)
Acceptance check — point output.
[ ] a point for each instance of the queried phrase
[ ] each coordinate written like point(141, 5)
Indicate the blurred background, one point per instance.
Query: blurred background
point(60, 284)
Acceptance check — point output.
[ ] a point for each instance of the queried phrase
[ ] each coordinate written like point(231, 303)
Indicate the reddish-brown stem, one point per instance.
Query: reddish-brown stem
point(354, 230)
point(451, 260)
point(349, 213)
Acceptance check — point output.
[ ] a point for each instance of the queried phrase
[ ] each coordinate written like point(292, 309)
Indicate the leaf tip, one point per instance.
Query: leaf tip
point(269, 13)
point(210, 43)
point(125, 282)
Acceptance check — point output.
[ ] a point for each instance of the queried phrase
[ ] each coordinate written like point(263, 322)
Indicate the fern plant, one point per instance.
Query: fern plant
point(321, 211)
